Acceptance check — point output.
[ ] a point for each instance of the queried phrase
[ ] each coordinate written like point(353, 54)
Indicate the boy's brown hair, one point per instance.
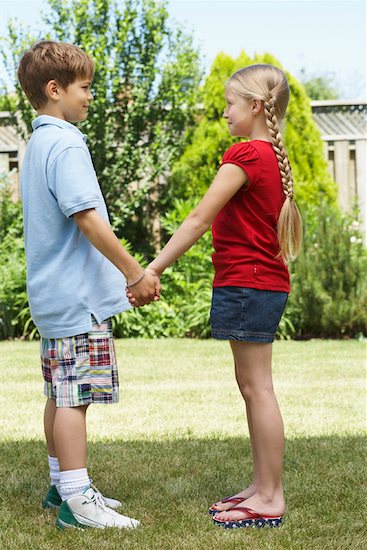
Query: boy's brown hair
point(49, 60)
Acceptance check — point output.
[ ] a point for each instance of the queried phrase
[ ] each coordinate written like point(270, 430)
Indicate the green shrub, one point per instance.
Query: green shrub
point(328, 298)
point(329, 286)
point(10, 210)
point(158, 320)
point(186, 293)
point(194, 171)
point(186, 290)
point(328, 281)
point(15, 319)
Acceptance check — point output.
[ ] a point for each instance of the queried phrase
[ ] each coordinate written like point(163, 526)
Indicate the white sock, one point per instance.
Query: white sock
point(73, 483)
point(53, 462)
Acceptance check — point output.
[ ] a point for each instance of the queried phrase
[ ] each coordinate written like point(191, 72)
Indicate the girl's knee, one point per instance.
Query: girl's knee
point(256, 392)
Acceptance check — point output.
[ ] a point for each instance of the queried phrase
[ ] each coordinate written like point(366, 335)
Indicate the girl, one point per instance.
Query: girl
point(256, 228)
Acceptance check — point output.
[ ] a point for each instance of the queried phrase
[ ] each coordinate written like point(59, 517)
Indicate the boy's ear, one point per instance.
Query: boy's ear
point(52, 90)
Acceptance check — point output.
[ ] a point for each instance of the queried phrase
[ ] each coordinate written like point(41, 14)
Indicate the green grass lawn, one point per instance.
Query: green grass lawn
point(177, 441)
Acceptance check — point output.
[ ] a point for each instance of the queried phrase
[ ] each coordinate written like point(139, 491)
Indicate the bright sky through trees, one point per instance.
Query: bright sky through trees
point(320, 36)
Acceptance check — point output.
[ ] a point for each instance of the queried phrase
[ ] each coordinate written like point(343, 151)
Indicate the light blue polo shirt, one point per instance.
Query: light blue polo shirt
point(68, 279)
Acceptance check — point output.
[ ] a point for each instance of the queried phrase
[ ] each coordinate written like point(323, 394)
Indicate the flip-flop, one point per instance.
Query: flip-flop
point(225, 500)
point(253, 519)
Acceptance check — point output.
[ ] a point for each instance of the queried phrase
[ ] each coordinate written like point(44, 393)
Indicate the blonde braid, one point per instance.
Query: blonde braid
point(270, 85)
point(278, 146)
point(289, 221)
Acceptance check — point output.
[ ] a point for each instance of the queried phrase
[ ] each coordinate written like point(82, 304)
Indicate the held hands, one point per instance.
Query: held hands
point(145, 290)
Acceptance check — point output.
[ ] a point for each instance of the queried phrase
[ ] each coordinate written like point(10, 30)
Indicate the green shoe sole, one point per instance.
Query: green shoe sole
point(47, 505)
point(64, 525)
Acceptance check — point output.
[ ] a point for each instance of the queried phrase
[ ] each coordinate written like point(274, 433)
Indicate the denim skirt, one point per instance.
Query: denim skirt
point(246, 314)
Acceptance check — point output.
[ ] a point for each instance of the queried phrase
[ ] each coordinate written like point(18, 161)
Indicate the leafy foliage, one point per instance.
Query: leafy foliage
point(15, 319)
point(194, 171)
point(12, 47)
point(320, 87)
point(140, 124)
point(329, 296)
point(145, 94)
point(186, 293)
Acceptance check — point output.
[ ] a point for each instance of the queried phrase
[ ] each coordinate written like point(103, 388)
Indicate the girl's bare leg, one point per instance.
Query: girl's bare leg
point(251, 489)
point(254, 378)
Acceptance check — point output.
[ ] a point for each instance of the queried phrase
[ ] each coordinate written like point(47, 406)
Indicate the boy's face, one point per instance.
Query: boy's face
point(73, 102)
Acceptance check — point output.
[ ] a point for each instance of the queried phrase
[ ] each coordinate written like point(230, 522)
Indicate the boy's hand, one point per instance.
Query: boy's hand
point(144, 292)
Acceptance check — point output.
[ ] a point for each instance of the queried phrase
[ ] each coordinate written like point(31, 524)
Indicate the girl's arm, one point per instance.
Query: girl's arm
point(229, 179)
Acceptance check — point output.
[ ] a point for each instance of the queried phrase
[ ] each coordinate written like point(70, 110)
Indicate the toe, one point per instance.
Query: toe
point(221, 516)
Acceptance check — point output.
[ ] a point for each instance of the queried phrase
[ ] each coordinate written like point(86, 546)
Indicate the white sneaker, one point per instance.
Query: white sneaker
point(110, 502)
point(53, 499)
point(90, 510)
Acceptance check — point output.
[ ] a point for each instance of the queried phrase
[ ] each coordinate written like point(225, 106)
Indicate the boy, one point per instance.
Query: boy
point(73, 288)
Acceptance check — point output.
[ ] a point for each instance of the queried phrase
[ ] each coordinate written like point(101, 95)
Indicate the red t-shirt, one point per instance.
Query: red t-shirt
point(245, 230)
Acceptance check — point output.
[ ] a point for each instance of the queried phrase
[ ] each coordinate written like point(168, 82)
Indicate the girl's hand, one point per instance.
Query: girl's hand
point(134, 297)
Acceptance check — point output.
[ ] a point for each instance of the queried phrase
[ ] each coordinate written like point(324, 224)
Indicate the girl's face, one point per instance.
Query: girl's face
point(239, 114)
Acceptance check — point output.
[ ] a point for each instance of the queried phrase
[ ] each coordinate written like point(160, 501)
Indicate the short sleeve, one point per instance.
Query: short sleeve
point(73, 181)
point(243, 155)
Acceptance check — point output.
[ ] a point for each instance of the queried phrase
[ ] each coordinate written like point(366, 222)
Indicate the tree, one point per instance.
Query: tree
point(6, 102)
point(194, 171)
point(145, 90)
point(319, 87)
point(329, 289)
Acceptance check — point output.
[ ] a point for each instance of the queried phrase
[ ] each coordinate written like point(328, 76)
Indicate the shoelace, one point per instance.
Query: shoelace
point(97, 492)
point(99, 500)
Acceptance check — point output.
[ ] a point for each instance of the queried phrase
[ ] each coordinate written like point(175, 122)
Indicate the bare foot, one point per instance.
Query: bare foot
point(275, 507)
point(245, 494)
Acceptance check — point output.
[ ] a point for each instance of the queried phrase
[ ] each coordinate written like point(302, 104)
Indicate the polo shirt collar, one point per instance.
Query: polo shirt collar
point(44, 120)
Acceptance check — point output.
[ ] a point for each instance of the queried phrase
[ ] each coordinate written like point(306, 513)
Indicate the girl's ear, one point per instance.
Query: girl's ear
point(256, 106)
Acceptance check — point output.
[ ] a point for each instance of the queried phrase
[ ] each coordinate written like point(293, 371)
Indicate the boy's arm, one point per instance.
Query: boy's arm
point(100, 234)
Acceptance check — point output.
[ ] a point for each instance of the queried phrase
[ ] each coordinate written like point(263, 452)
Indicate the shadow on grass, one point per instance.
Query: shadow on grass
point(169, 484)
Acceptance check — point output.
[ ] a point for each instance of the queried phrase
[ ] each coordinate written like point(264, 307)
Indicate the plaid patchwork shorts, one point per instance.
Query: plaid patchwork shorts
point(81, 369)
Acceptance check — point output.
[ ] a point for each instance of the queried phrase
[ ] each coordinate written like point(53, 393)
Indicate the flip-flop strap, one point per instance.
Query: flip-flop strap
point(252, 513)
point(232, 499)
